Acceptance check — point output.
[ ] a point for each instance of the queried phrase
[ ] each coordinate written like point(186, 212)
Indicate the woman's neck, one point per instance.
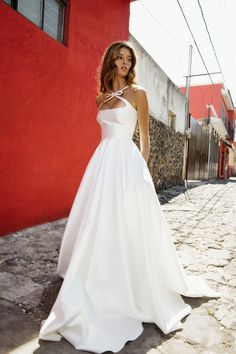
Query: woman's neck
point(118, 84)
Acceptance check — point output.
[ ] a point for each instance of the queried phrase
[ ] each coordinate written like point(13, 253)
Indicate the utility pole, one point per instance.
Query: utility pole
point(209, 144)
point(188, 80)
point(187, 118)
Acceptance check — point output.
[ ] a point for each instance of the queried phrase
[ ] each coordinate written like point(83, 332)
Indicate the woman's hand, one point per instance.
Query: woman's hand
point(143, 121)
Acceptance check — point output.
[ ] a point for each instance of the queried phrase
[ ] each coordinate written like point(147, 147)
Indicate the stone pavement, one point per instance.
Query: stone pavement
point(204, 232)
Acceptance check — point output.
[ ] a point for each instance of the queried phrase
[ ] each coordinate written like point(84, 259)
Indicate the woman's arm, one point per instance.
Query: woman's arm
point(143, 121)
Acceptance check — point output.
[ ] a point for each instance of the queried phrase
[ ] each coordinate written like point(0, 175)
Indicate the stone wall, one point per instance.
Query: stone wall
point(166, 154)
point(165, 100)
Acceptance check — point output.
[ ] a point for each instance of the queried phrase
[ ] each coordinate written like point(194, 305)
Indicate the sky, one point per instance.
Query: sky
point(160, 28)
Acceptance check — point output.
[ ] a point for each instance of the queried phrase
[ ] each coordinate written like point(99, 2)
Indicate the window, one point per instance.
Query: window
point(223, 113)
point(224, 116)
point(49, 15)
point(172, 120)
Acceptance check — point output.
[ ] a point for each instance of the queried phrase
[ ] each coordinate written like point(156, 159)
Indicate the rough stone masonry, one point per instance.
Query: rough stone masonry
point(204, 232)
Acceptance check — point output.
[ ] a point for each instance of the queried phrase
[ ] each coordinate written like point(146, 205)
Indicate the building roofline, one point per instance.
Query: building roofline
point(227, 99)
point(204, 84)
point(132, 37)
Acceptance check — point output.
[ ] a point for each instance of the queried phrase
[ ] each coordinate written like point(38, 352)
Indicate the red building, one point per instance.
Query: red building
point(49, 58)
point(214, 102)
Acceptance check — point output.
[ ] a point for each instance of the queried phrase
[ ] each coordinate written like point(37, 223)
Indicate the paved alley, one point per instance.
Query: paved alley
point(204, 232)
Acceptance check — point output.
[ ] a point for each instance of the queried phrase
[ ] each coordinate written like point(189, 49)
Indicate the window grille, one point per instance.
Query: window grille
point(49, 15)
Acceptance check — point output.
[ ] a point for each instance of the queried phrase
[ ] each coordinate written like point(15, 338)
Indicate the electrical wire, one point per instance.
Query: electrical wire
point(208, 32)
point(217, 93)
point(160, 25)
point(195, 42)
point(196, 45)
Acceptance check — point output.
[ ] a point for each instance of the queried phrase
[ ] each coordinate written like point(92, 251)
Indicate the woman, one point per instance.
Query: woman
point(118, 261)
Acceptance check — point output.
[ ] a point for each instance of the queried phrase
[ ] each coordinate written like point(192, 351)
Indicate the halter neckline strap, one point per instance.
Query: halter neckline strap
point(116, 93)
point(112, 94)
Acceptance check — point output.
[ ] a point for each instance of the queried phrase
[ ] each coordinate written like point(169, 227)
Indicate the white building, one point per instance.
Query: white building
point(166, 102)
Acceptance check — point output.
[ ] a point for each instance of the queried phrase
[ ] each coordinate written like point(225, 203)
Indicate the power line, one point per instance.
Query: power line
point(216, 73)
point(221, 100)
point(199, 4)
point(199, 52)
point(159, 24)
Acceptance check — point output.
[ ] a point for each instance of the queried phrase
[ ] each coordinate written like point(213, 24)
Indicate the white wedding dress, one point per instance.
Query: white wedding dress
point(117, 258)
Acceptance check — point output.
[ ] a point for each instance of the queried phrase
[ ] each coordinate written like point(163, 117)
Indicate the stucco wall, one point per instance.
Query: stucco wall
point(166, 160)
point(163, 94)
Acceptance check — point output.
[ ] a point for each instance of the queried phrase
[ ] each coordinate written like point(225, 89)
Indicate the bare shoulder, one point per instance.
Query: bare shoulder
point(136, 87)
point(140, 95)
point(138, 91)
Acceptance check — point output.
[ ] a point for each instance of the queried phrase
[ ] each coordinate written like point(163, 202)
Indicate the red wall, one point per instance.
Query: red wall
point(48, 112)
point(202, 95)
point(231, 114)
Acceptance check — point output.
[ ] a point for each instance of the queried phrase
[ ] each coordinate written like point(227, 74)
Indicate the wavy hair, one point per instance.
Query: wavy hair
point(107, 70)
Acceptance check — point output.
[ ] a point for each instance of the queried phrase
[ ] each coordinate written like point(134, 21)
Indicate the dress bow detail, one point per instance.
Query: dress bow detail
point(112, 94)
point(115, 94)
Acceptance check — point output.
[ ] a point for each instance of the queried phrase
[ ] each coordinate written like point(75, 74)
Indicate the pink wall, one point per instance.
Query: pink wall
point(48, 112)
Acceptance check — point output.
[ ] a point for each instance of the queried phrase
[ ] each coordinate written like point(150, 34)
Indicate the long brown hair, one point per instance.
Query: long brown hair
point(107, 70)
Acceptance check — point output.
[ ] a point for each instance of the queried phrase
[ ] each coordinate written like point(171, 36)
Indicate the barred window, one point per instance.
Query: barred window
point(172, 120)
point(49, 15)
point(223, 113)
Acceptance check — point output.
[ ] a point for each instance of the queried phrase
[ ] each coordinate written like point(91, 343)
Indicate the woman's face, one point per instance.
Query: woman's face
point(123, 62)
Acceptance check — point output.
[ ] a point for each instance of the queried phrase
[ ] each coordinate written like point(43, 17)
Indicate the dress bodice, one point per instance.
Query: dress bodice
point(118, 122)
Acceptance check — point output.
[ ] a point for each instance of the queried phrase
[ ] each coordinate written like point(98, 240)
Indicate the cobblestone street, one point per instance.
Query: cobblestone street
point(204, 232)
